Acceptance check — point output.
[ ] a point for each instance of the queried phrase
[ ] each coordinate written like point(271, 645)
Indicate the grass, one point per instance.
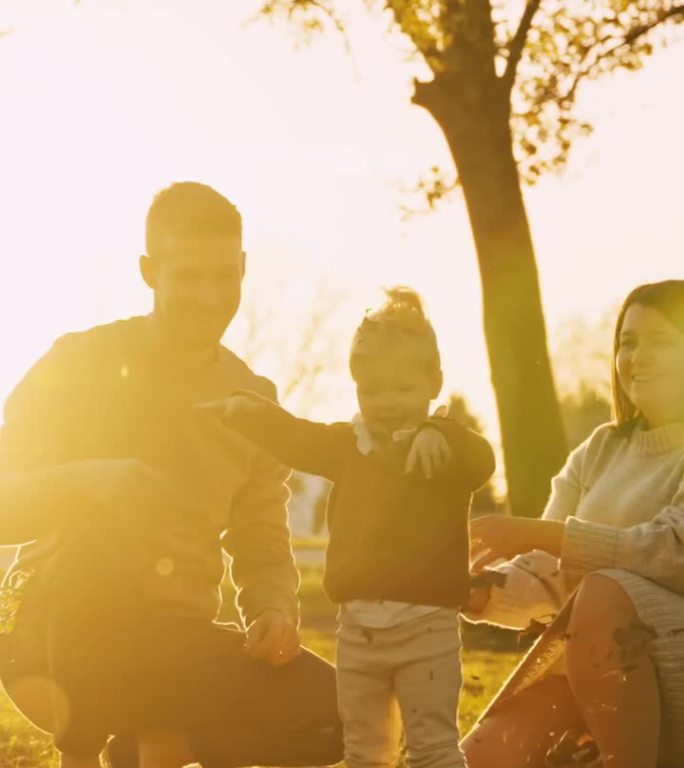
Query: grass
point(22, 745)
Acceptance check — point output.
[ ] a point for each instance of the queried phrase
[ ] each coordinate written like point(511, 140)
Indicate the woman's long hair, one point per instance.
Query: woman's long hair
point(668, 298)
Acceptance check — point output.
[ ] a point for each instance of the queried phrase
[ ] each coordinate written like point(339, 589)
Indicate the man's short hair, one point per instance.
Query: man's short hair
point(188, 208)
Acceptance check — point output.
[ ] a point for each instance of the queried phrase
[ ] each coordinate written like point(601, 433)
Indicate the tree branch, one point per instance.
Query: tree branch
point(517, 44)
point(643, 29)
point(290, 9)
point(422, 93)
point(333, 18)
point(629, 38)
point(427, 47)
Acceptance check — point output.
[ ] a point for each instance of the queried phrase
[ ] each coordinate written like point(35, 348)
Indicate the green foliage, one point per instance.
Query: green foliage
point(567, 44)
point(308, 17)
point(483, 674)
point(22, 745)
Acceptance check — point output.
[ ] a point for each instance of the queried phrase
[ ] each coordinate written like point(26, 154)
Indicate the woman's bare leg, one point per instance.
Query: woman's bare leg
point(521, 733)
point(611, 675)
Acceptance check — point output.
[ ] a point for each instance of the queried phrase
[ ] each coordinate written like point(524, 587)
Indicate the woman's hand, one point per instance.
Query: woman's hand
point(430, 450)
point(500, 537)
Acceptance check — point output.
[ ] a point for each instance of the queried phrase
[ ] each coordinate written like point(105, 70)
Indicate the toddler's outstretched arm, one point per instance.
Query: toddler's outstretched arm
point(307, 446)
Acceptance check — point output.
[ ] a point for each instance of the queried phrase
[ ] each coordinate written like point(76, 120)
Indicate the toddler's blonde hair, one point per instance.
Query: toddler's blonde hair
point(399, 326)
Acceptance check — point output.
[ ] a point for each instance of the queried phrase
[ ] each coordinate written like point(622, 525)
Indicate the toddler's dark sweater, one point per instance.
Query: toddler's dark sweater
point(393, 536)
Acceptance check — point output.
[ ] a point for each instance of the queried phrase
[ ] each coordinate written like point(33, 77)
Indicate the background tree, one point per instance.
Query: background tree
point(582, 412)
point(304, 356)
point(582, 361)
point(484, 500)
point(503, 91)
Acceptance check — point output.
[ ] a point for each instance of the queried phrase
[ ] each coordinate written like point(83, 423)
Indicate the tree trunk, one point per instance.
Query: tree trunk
point(472, 111)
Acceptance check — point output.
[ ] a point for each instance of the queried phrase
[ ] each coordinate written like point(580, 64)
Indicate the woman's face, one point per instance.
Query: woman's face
point(650, 364)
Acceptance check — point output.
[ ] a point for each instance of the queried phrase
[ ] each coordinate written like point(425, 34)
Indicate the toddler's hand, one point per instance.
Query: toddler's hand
point(431, 450)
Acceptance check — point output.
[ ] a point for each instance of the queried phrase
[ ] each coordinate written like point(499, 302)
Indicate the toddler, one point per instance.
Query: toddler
point(397, 560)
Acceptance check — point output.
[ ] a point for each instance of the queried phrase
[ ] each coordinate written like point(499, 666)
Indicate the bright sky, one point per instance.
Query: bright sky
point(105, 102)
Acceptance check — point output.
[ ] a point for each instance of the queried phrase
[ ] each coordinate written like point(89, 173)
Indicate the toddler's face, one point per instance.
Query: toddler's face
point(393, 395)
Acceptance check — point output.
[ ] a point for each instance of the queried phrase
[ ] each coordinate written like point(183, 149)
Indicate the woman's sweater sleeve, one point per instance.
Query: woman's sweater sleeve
point(654, 549)
point(307, 446)
point(586, 546)
point(534, 587)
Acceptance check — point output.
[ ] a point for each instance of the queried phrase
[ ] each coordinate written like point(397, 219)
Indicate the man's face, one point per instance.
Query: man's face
point(197, 286)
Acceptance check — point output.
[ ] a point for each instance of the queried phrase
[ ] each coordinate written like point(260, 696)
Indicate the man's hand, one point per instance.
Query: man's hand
point(496, 537)
point(272, 637)
point(429, 450)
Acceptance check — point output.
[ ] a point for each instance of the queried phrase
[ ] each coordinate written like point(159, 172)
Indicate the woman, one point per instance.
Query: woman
point(612, 665)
